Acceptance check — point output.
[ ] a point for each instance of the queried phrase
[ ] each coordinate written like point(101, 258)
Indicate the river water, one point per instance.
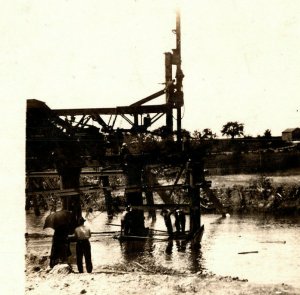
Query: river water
point(273, 242)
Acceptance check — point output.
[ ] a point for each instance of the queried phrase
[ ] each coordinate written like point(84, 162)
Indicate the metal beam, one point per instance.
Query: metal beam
point(162, 108)
point(148, 98)
point(127, 119)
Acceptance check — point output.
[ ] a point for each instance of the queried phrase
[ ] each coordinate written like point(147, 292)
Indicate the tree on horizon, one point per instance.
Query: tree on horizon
point(208, 134)
point(267, 133)
point(233, 129)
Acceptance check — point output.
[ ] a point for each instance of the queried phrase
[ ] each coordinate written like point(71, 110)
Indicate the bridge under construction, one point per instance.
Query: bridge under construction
point(74, 156)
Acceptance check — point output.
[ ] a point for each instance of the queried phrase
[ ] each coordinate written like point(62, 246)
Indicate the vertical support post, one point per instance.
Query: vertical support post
point(148, 180)
point(179, 134)
point(168, 82)
point(177, 54)
point(174, 93)
point(134, 196)
point(107, 194)
point(136, 121)
point(195, 170)
point(168, 73)
point(69, 178)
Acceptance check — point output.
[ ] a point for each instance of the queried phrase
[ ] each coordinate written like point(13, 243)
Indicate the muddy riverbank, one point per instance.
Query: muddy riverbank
point(163, 275)
point(117, 271)
point(135, 280)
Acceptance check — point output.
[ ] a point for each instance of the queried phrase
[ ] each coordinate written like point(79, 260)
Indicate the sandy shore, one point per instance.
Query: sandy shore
point(141, 283)
point(63, 279)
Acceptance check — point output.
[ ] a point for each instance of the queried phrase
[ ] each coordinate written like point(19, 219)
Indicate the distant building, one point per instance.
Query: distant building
point(291, 134)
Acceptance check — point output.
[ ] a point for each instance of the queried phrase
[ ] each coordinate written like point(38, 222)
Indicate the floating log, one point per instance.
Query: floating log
point(248, 252)
point(278, 242)
point(104, 232)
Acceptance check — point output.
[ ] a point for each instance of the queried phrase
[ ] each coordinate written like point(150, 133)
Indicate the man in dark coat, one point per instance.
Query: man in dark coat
point(60, 250)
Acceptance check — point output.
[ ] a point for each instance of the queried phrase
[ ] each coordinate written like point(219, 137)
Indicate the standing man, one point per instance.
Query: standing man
point(167, 218)
point(83, 246)
point(179, 220)
point(126, 221)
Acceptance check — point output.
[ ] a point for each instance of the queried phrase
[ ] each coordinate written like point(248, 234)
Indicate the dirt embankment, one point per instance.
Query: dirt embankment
point(40, 279)
point(253, 194)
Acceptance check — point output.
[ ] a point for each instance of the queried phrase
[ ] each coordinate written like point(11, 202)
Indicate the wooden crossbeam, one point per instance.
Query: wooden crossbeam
point(65, 192)
point(83, 173)
point(159, 206)
point(148, 98)
point(162, 108)
point(90, 189)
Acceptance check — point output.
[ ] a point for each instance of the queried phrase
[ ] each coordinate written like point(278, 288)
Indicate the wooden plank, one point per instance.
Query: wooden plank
point(65, 192)
point(83, 173)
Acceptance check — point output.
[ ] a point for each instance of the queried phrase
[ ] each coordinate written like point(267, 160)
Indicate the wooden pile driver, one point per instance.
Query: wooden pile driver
point(67, 143)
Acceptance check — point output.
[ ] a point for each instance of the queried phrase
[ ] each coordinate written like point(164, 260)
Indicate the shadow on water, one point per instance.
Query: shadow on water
point(175, 255)
point(191, 250)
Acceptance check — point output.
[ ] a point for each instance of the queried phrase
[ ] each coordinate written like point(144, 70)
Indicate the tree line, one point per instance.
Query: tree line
point(231, 129)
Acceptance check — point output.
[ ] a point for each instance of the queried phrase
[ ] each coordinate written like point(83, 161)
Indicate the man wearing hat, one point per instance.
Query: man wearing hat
point(83, 246)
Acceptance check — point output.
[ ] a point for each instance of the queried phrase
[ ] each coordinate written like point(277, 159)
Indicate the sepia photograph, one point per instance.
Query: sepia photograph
point(150, 147)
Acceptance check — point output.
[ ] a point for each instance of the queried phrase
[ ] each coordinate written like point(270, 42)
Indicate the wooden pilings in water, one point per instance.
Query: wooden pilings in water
point(195, 176)
point(133, 174)
point(69, 178)
point(107, 194)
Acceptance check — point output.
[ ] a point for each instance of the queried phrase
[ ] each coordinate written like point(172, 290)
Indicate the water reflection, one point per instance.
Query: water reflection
point(223, 239)
point(181, 245)
point(196, 264)
point(132, 250)
point(169, 250)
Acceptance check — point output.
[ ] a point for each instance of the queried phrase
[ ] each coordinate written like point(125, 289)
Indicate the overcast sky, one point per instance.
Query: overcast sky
point(240, 58)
